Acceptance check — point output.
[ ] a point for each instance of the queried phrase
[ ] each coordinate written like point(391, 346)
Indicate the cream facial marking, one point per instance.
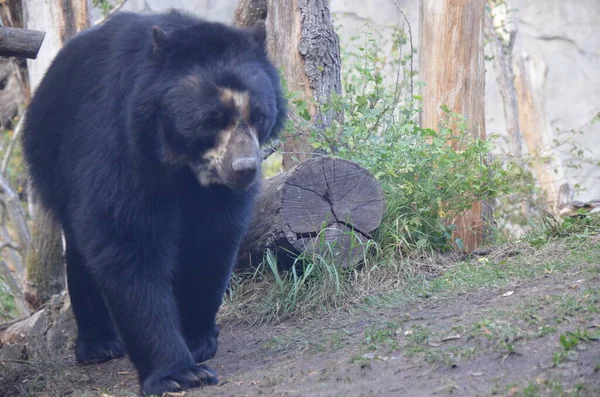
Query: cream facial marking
point(207, 173)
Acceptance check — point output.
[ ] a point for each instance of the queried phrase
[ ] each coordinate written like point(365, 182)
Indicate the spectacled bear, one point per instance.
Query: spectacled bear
point(143, 140)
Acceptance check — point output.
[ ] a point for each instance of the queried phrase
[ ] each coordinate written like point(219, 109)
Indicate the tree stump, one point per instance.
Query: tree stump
point(322, 204)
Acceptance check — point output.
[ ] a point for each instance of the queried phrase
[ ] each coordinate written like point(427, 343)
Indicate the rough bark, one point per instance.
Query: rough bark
point(60, 19)
point(323, 194)
point(302, 42)
point(17, 42)
point(452, 66)
point(249, 12)
point(530, 80)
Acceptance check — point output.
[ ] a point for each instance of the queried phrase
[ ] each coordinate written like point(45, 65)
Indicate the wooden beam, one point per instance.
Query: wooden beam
point(17, 42)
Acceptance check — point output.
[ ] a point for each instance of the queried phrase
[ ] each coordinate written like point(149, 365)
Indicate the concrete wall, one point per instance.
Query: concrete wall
point(562, 34)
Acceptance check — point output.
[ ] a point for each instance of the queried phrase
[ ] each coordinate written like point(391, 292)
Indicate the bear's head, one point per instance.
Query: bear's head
point(225, 100)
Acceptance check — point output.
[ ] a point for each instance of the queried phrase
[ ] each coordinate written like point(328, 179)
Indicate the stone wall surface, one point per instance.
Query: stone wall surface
point(564, 35)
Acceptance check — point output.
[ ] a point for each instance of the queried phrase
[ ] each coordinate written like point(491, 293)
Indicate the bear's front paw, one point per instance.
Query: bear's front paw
point(188, 378)
point(204, 348)
point(98, 350)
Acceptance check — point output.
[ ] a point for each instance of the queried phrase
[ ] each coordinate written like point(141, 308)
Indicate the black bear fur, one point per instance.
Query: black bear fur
point(109, 136)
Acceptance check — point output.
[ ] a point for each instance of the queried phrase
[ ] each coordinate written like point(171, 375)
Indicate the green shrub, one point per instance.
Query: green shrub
point(8, 310)
point(426, 180)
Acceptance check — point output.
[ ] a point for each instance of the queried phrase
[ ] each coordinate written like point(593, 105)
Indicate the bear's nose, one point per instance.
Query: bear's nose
point(245, 167)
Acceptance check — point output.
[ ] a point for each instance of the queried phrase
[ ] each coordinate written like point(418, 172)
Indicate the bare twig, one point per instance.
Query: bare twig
point(268, 150)
point(9, 245)
point(110, 13)
point(14, 287)
point(15, 212)
point(11, 146)
point(412, 52)
point(545, 211)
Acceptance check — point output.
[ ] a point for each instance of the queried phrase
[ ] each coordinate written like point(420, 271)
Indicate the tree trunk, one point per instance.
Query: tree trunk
point(45, 271)
point(249, 12)
point(60, 20)
point(530, 80)
point(301, 41)
point(452, 66)
point(502, 52)
point(319, 205)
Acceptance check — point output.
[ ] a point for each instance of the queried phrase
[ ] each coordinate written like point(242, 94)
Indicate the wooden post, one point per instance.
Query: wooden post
point(452, 67)
point(302, 42)
point(16, 42)
point(60, 19)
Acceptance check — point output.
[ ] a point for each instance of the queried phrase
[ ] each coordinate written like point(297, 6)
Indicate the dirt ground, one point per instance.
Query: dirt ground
point(533, 336)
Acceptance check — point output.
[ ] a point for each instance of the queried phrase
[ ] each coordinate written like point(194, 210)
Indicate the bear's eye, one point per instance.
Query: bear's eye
point(213, 120)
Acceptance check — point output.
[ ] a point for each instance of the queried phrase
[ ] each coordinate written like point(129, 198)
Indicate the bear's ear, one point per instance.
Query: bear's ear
point(259, 32)
point(159, 38)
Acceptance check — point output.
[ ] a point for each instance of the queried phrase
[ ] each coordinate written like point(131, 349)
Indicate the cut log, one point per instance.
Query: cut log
point(325, 205)
point(17, 42)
